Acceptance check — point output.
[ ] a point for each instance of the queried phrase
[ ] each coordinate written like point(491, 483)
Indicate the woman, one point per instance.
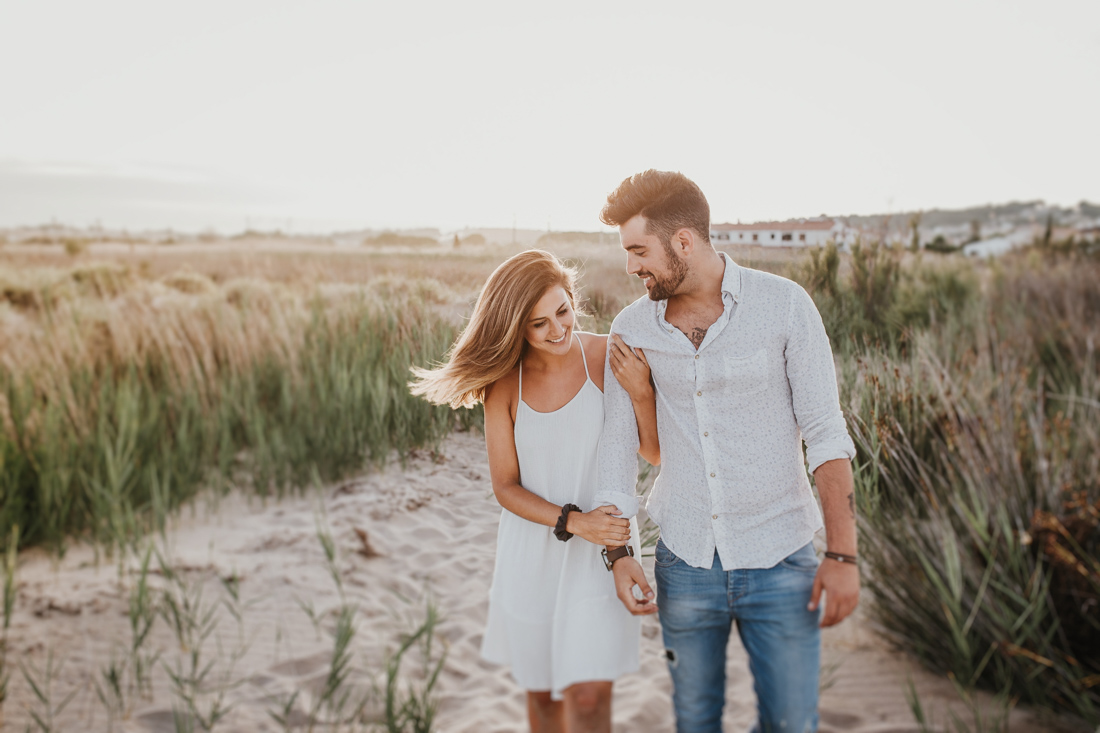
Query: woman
point(553, 613)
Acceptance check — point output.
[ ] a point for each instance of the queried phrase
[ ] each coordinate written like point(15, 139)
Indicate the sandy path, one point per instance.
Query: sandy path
point(434, 523)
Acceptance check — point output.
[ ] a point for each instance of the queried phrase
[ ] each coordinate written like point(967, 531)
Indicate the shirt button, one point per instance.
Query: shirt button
point(696, 356)
point(712, 475)
point(698, 394)
point(705, 434)
point(714, 516)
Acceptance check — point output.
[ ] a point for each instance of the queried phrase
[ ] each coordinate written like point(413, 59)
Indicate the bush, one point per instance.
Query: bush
point(102, 279)
point(977, 423)
point(930, 294)
point(881, 301)
point(75, 247)
point(821, 269)
point(941, 245)
point(186, 281)
point(980, 492)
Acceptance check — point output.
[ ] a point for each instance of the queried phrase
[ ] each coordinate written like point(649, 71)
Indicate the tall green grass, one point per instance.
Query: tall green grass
point(117, 408)
point(976, 413)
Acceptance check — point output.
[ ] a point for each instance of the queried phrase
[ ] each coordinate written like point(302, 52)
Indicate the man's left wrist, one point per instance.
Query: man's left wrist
point(617, 553)
point(843, 557)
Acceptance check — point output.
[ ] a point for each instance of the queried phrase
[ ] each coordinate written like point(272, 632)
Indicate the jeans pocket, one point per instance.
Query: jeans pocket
point(664, 557)
point(803, 560)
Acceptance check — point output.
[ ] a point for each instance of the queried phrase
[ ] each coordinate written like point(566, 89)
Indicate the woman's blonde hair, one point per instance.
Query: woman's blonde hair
point(493, 341)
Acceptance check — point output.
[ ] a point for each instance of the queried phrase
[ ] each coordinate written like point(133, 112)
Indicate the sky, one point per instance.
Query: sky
point(321, 115)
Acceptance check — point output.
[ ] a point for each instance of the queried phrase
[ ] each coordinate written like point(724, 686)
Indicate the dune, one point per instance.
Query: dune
point(406, 536)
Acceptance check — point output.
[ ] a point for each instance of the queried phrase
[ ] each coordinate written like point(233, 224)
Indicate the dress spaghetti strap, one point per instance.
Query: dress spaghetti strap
point(584, 358)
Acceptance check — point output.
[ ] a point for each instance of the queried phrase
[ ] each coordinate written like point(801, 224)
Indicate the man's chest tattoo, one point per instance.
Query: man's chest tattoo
point(697, 335)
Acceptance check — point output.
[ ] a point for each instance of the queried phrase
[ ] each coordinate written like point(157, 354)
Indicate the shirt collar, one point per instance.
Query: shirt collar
point(731, 284)
point(731, 279)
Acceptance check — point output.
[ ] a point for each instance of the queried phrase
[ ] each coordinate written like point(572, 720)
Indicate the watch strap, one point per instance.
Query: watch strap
point(618, 553)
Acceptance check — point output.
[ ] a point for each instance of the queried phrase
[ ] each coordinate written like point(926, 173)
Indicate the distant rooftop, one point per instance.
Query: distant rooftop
point(804, 225)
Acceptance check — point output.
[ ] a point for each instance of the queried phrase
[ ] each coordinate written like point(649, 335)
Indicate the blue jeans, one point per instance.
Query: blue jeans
point(698, 607)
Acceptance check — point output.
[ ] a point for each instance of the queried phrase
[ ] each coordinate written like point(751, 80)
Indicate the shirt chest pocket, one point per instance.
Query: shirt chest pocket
point(746, 375)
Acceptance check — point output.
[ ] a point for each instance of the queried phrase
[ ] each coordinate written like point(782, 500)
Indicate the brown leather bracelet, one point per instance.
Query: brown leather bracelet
point(851, 559)
point(610, 556)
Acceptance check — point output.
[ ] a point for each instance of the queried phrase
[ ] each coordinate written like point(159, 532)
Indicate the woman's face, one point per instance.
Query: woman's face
point(550, 325)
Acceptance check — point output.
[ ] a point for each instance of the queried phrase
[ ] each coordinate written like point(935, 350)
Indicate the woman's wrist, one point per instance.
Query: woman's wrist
point(562, 527)
point(643, 397)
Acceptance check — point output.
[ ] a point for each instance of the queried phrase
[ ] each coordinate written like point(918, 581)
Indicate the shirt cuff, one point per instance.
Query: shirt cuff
point(830, 451)
point(625, 503)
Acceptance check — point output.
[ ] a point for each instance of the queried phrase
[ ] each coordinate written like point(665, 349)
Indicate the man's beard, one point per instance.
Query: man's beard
point(664, 288)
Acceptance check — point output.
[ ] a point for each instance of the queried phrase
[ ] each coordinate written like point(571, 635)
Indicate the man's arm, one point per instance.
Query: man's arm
point(618, 478)
point(839, 580)
point(618, 456)
point(829, 451)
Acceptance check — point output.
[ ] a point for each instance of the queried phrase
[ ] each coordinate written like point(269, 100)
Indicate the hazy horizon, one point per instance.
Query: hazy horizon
point(343, 116)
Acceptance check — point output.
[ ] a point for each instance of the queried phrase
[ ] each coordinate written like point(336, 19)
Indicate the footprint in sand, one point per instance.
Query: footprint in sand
point(159, 721)
point(302, 666)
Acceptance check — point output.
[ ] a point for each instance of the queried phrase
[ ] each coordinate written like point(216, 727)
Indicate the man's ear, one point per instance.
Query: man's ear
point(683, 240)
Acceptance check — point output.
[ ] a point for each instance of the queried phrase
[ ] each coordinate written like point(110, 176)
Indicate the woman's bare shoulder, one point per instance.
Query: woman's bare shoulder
point(595, 349)
point(505, 389)
point(593, 342)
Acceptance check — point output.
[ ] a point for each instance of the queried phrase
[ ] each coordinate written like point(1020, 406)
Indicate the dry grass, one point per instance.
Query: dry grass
point(133, 376)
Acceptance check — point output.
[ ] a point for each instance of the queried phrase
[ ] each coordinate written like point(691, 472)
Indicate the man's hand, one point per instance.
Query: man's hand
point(840, 581)
point(601, 526)
point(628, 573)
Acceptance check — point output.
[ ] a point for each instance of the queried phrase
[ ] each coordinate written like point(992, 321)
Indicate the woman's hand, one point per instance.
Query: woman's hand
point(601, 526)
point(631, 369)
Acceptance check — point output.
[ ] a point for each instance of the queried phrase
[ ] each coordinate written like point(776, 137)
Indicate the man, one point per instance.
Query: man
point(744, 374)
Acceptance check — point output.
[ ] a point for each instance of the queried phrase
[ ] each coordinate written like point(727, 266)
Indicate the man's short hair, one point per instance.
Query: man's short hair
point(668, 200)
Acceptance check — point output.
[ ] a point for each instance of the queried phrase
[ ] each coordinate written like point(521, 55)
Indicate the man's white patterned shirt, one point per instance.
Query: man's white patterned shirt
point(732, 417)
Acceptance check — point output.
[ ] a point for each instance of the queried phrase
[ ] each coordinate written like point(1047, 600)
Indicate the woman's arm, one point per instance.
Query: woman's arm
point(632, 370)
point(598, 526)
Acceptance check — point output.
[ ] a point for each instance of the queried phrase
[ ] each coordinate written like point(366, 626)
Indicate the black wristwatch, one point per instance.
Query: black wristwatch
point(618, 553)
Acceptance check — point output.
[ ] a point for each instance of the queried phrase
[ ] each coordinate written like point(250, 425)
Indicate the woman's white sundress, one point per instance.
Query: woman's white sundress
point(554, 617)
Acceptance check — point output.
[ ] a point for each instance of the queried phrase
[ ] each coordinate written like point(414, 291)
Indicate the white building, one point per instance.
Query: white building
point(793, 233)
point(999, 245)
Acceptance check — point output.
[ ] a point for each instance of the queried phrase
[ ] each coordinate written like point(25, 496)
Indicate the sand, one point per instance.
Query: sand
point(430, 529)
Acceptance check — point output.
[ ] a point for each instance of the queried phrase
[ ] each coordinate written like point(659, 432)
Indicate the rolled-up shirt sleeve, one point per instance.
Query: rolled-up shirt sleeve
point(618, 456)
point(812, 377)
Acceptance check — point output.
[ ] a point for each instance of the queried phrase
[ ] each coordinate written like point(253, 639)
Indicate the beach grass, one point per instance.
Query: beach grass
point(977, 421)
point(129, 386)
point(120, 401)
